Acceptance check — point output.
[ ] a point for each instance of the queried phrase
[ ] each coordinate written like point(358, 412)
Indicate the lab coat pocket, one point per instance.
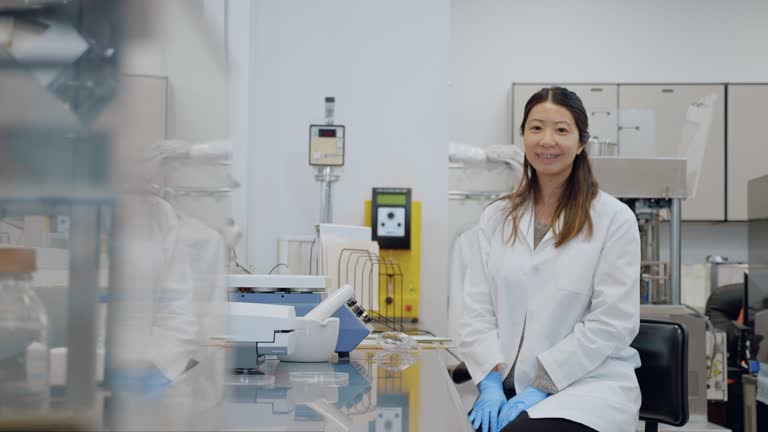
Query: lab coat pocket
point(573, 286)
point(577, 270)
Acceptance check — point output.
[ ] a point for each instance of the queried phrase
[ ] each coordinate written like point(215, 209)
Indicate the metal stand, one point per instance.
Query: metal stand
point(628, 179)
point(326, 176)
point(83, 301)
point(675, 248)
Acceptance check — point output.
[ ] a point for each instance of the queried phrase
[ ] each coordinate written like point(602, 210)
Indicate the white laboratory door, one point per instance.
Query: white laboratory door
point(652, 122)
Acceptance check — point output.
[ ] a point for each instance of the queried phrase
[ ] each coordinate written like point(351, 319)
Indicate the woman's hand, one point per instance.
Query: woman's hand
point(485, 412)
point(524, 401)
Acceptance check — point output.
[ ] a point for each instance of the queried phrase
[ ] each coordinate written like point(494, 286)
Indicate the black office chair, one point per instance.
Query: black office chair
point(663, 376)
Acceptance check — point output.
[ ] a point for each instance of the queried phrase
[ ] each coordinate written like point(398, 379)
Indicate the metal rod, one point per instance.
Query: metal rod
point(327, 178)
point(327, 216)
point(675, 246)
point(83, 299)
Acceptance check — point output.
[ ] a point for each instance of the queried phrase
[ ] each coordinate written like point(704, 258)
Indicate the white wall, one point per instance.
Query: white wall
point(186, 42)
point(387, 65)
point(183, 40)
point(497, 42)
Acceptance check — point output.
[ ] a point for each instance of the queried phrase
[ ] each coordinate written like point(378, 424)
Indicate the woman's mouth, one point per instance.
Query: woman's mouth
point(547, 156)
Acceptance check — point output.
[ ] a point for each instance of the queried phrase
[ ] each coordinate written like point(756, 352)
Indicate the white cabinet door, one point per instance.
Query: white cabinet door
point(664, 120)
point(600, 101)
point(747, 147)
point(520, 95)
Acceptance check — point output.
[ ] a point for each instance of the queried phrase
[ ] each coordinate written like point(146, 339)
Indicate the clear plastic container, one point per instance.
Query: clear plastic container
point(23, 336)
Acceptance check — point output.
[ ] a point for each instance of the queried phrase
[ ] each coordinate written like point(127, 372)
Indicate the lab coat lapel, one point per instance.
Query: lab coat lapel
point(526, 229)
point(558, 225)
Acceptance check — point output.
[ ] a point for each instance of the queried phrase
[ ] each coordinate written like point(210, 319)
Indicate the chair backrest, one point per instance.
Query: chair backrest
point(663, 376)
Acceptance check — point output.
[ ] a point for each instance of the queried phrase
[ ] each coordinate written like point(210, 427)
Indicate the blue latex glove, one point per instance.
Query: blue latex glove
point(524, 401)
point(148, 381)
point(485, 412)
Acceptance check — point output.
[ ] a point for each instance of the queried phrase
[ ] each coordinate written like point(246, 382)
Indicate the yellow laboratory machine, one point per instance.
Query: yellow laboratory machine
point(395, 223)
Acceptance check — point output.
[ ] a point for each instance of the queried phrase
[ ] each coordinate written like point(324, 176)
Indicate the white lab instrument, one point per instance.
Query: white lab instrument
point(317, 332)
point(326, 151)
point(326, 145)
point(695, 136)
point(717, 365)
point(305, 293)
point(509, 154)
point(602, 147)
point(483, 173)
point(314, 340)
point(271, 327)
point(273, 283)
point(329, 306)
point(652, 183)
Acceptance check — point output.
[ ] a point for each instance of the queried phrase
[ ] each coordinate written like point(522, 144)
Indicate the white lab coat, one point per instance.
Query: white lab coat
point(463, 252)
point(577, 304)
point(175, 296)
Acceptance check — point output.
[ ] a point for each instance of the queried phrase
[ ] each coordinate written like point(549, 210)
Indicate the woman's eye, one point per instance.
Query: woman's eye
point(535, 128)
point(562, 130)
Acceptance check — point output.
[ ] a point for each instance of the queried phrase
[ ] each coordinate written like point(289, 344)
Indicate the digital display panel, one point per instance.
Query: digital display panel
point(390, 199)
point(326, 133)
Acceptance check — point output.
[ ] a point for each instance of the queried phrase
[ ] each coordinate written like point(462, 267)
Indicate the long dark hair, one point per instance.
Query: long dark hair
point(580, 188)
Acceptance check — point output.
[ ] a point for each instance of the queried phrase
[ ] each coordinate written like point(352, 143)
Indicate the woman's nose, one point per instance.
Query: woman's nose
point(548, 138)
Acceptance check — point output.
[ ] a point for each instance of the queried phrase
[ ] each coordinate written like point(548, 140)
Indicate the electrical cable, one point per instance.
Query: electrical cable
point(237, 263)
point(711, 329)
point(276, 266)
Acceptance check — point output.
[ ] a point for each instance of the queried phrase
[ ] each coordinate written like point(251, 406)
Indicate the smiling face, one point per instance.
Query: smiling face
point(551, 141)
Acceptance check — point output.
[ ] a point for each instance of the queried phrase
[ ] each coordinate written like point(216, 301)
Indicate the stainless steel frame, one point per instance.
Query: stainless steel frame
point(663, 178)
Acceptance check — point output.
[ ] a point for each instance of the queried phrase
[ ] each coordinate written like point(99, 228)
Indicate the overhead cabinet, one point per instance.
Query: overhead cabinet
point(600, 101)
point(747, 146)
point(661, 121)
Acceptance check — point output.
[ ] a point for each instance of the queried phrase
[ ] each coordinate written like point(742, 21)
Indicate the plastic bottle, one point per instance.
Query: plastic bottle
point(23, 335)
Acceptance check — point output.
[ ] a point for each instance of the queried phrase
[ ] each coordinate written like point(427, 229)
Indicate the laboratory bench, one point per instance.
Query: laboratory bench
point(358, 394)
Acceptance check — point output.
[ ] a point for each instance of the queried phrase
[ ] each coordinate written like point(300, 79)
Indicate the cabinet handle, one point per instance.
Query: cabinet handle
point(621, 128)
point(603, 113)
point(596, 89)
point(667, 90)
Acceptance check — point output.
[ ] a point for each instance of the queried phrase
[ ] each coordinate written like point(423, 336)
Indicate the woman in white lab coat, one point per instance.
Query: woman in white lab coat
point(554, 296)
